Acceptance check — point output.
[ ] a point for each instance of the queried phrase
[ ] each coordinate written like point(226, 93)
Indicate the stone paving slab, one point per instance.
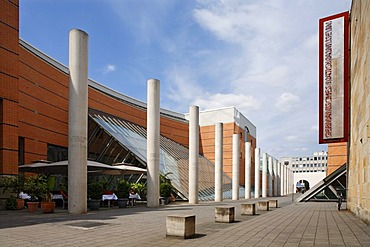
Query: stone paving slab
point(292, 224)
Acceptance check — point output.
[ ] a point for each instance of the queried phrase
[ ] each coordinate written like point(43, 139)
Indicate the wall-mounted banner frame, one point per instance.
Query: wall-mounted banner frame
point(333, 78)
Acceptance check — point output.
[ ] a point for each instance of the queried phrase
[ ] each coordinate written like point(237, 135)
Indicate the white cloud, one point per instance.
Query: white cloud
point(246, 102)
point(291, 138)
point(109, 68)
point(287, 102)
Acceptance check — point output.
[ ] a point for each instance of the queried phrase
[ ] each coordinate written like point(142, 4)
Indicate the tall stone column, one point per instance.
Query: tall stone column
point(285, 179)
point(275, 178)
point(236, 166)
point(248, 168)
point(77, 124)
point(257, 173)
point(269, 191)
point(264, 175)
point(193, 154)
point(153, 134)
point(218, 161)
point(282, 170)
point(279, 177)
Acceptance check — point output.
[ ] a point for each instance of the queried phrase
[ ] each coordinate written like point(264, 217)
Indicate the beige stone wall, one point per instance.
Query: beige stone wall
point(359, 172)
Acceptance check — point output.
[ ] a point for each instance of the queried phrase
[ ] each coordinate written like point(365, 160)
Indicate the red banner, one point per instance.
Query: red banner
point(333, 78)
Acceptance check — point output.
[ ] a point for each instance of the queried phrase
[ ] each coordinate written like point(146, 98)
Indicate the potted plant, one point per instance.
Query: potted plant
point(15, 184)
point(122, 188)
point(35, 187)
point(94, 192)
point(165, 188)
point(139, 188)
point(47, 205)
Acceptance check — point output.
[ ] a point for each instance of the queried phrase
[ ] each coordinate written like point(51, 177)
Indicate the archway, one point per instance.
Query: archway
point(302, 186)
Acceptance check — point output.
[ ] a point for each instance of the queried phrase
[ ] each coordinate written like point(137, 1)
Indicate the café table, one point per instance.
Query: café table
point(109, 198)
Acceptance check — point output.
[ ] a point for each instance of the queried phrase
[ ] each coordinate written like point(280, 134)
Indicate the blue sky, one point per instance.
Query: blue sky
point(259, 56)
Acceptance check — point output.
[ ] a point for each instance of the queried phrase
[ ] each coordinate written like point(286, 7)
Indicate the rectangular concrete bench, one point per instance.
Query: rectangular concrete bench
point(273, 203)
point(248, 209)
point(263, 205)
point(182, 226)
point(225, 214)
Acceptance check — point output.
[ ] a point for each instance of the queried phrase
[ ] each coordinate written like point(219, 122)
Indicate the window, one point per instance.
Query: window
point(57, 153)
point(20, 150)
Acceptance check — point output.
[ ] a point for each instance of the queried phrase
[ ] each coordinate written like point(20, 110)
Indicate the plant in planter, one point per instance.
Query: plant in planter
point(35, 187)
point(165, 188)
point(122, 190)
point(47, 205)
point(94, 192)
point(11, 203)
point(139, 188)
point(38, 187)
point(14, 184)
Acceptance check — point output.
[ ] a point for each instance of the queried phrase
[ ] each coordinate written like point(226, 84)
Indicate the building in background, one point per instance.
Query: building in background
point(234, 122)
point(307, 169)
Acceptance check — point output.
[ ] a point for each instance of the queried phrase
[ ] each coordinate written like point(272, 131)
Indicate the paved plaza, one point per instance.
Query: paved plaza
point(291, 224)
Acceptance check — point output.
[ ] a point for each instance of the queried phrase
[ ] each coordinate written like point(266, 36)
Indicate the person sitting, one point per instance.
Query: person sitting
point(133, 196)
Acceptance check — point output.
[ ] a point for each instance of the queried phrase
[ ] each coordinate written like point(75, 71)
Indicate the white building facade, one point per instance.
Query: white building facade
point(307, 168)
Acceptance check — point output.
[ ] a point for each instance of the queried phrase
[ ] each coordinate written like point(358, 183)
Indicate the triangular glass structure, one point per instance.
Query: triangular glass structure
point(329, 188)
point(115, 140)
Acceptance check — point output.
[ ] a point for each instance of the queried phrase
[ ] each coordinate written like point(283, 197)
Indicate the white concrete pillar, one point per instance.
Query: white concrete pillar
point(77, 124)
point(291, 181)
point(282, 179)
point(248, 168)
point(279, 177)
point(275, 175)
point(236, 166)
point(257, 173)
point(269, 191)
point(264, 175)
point(285, 179)
point(193, 154)
point(218, 161)
point(153, 134)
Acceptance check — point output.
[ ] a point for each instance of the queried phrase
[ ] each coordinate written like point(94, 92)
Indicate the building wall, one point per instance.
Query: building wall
point(43, 108)
point(9, 83)
point(337, 156)
point(207, 147)
point(312, 168)
point(311, 177)
point(34, 100)
point(358, 170)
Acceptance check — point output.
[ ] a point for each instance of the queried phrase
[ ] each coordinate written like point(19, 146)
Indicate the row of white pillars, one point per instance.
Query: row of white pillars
point(77, 142)
point(276, 178)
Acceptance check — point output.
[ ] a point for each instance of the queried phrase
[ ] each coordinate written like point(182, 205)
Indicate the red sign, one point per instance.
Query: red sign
point(333, 78)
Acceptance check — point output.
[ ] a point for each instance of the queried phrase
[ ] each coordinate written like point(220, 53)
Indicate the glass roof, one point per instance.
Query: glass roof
point(174, 158)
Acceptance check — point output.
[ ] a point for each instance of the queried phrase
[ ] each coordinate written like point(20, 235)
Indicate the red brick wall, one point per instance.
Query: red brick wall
point(337, 156)
point(43, 108)
point(9, 71)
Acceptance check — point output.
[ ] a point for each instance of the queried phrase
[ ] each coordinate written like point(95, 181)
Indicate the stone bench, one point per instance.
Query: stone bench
point(182, 226)
point(225, 214)
point(273, 203)
point(263, 205)
point(248, 208)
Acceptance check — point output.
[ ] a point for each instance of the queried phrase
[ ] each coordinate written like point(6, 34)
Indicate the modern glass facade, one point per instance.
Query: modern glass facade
point(115, 140)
